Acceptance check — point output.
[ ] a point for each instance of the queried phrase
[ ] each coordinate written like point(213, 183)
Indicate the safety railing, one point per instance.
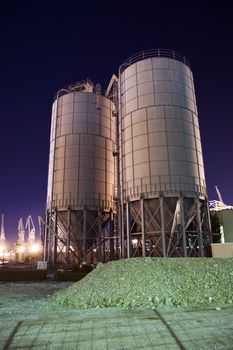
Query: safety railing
point(154, 53)
point(79, 86)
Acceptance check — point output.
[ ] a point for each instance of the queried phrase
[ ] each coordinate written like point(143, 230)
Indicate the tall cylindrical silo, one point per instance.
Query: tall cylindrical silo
point(163, 189)
point(81, 175)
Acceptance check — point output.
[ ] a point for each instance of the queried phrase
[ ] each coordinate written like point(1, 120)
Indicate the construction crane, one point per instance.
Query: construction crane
point(30, 227)
point(2, 235)
point(21, 231)
point(219, 194)
point(218, 205)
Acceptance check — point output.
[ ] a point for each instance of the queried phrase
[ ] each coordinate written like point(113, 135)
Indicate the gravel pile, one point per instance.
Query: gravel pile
point(151, 283)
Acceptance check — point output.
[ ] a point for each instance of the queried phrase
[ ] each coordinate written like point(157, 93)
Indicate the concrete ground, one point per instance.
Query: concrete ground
point(26, 323)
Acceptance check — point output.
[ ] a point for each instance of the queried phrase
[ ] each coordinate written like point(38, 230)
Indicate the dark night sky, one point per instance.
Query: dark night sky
point(48, 45)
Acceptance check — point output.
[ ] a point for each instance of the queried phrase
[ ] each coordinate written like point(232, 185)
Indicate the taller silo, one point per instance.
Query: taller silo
point(163, 189)
point(80, 203)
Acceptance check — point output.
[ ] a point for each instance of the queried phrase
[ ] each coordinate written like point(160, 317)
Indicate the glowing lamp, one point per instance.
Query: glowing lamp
point(21, 249)
point(34, 248)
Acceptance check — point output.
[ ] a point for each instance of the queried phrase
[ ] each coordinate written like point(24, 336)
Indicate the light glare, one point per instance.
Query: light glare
point(34, 248)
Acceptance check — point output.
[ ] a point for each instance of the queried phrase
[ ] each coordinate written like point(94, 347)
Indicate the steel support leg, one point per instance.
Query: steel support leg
point(122, 231)
point(209, 222)
point(55, 238)
point(45, 255)
point(48, 240)
point(117, 231)
point(182, 225)
point(143, 227)
point(199, 226)
point(99, 236)
point(128, 229)
point(68, 236)
point(84, 241)
point(112, 238)
point(103, 244)
point(162, 226)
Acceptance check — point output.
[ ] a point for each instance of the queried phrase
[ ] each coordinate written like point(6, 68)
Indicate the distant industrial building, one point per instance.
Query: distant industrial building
point(226, 220)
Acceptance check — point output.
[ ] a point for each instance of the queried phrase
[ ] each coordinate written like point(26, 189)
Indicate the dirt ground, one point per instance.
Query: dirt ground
point(26, 322)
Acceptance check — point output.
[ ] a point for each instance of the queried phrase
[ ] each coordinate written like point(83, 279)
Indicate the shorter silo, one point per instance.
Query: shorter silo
point(163, 190)
point(80, 205)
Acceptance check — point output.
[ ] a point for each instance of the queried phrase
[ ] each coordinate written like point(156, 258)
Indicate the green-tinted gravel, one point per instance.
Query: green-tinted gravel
point(151, 283)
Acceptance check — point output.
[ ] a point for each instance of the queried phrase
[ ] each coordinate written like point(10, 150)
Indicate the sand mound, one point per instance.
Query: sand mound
point(153, 282)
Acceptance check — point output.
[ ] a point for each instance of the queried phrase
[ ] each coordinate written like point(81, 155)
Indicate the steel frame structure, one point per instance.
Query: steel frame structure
point(157, 225)
point(166, 227)
point(78, 237)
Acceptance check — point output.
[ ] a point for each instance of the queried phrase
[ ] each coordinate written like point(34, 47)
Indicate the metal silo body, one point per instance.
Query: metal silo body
point(163, 190)
point(81, 175)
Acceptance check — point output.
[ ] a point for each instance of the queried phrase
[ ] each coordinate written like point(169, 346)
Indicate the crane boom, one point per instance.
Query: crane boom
point(21, 231)
point(2, 234)
point(219, 194)
point(30, 227)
